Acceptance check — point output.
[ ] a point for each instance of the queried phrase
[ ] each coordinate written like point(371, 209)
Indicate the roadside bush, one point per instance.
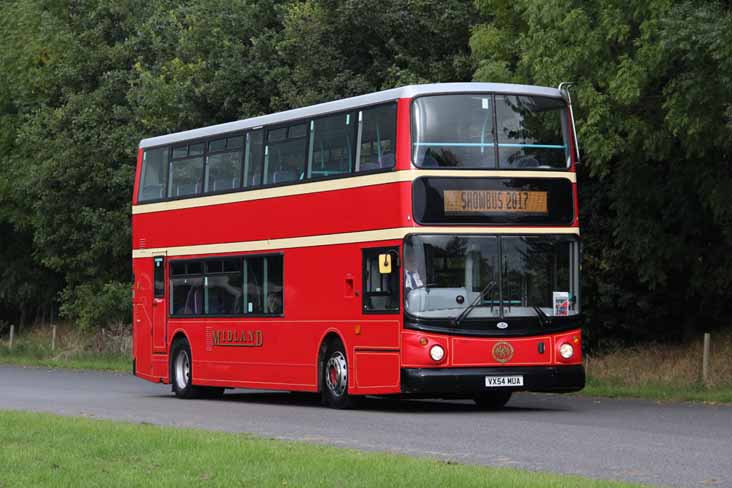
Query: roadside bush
point(92, 305)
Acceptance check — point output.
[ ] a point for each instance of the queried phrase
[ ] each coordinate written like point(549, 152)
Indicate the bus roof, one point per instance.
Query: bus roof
point(410, 91)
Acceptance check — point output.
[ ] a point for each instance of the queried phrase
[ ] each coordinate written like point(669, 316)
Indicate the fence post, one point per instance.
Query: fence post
point(705, 358)
point(12, 335)
point(53, 338)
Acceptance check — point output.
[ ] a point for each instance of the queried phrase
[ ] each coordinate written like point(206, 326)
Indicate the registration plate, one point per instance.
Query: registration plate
point(498, 381)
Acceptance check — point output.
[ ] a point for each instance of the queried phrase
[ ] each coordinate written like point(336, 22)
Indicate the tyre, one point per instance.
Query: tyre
point(335, 377)
point(493, 400)
point(181, 374)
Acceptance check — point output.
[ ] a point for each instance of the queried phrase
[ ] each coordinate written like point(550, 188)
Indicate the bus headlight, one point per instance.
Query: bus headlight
point(566, 350)
point(437, 353)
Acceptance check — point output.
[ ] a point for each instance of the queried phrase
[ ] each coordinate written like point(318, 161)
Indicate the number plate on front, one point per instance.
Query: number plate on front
point(498, 381)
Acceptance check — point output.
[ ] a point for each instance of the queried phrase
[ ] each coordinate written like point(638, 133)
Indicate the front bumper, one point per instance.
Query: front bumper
point(469, 381)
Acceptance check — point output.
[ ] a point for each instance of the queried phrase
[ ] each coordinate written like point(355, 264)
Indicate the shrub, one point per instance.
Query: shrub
point(97, 305)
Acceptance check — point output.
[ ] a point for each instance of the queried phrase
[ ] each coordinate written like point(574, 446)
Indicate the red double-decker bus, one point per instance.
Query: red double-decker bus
point(422, 241)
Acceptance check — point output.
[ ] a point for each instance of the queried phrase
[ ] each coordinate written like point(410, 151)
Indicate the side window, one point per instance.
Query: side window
point(186, 171)
point(159, 277)
point(152, 179)
point(226, 286)
point(332, 145)
point(254, 160)
point(380, 290)
point(285, 154)
point(377, 127)
point(223, 164)
point(186, 288)
point(263, 286)
point(223, 287)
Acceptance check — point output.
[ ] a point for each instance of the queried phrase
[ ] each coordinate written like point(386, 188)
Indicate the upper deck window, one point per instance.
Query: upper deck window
point(223, 164)
point(254, 161)
point(335, 145)
point(332, 145)
point(186, 171)
point(285, 154)
point(377, 138)
point(490, 131)
point(154, 166)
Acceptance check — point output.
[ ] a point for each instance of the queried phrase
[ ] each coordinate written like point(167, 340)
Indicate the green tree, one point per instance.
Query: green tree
point(331, 49)
point(85, 81)
point(653, 96)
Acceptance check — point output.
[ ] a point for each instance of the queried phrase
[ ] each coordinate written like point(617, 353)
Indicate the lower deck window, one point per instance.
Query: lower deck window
point(230, 286)
point(186, 295)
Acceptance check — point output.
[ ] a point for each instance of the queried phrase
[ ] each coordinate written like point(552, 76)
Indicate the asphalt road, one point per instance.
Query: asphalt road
point(642, 441)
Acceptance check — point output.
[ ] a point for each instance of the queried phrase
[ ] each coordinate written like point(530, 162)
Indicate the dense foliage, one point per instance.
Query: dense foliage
point(82, 82)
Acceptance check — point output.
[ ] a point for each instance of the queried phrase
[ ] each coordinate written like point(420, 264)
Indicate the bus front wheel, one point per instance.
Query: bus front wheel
point(335, 377)
point(181, 374)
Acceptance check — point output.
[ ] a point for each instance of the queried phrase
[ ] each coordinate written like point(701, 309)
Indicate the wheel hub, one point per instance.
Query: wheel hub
point(182, 370)
point(337, 373)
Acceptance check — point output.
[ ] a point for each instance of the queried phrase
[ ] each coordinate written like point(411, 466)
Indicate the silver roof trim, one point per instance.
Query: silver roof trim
point(410, 91)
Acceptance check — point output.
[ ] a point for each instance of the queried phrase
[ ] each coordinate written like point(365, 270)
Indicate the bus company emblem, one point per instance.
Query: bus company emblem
point(237, 338)
point(502, 352)
point(502, 325)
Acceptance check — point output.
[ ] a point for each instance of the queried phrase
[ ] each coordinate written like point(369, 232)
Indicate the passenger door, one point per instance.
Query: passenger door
point(376, 356)
point(159, 308)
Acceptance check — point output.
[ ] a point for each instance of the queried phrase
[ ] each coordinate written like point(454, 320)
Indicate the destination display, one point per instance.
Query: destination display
point(493, 201)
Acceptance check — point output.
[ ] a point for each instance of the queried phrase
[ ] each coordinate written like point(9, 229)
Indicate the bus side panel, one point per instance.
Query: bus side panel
point(352, 210)
point(377, 372)
point(272, 360)
point(322, 294)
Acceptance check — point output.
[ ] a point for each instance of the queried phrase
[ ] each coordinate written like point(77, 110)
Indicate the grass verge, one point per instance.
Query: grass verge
point(659, 392)
point(103, 349)
point(48, 450)
point(663, 372)
point(87, 362)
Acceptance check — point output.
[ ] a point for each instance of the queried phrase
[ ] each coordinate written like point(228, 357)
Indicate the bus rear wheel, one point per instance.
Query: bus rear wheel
point(335, 377)
point(494, 400)
point(181, 374)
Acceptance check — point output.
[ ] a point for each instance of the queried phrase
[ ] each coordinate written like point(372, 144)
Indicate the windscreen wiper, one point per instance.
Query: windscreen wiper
point(544, 319)
point(488, 288)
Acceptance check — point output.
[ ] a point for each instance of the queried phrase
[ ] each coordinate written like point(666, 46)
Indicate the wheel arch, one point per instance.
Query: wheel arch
point(177, 335)
point(329, 336)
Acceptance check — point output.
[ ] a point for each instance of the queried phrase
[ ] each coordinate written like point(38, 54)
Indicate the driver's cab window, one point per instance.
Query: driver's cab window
point(381, 280)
